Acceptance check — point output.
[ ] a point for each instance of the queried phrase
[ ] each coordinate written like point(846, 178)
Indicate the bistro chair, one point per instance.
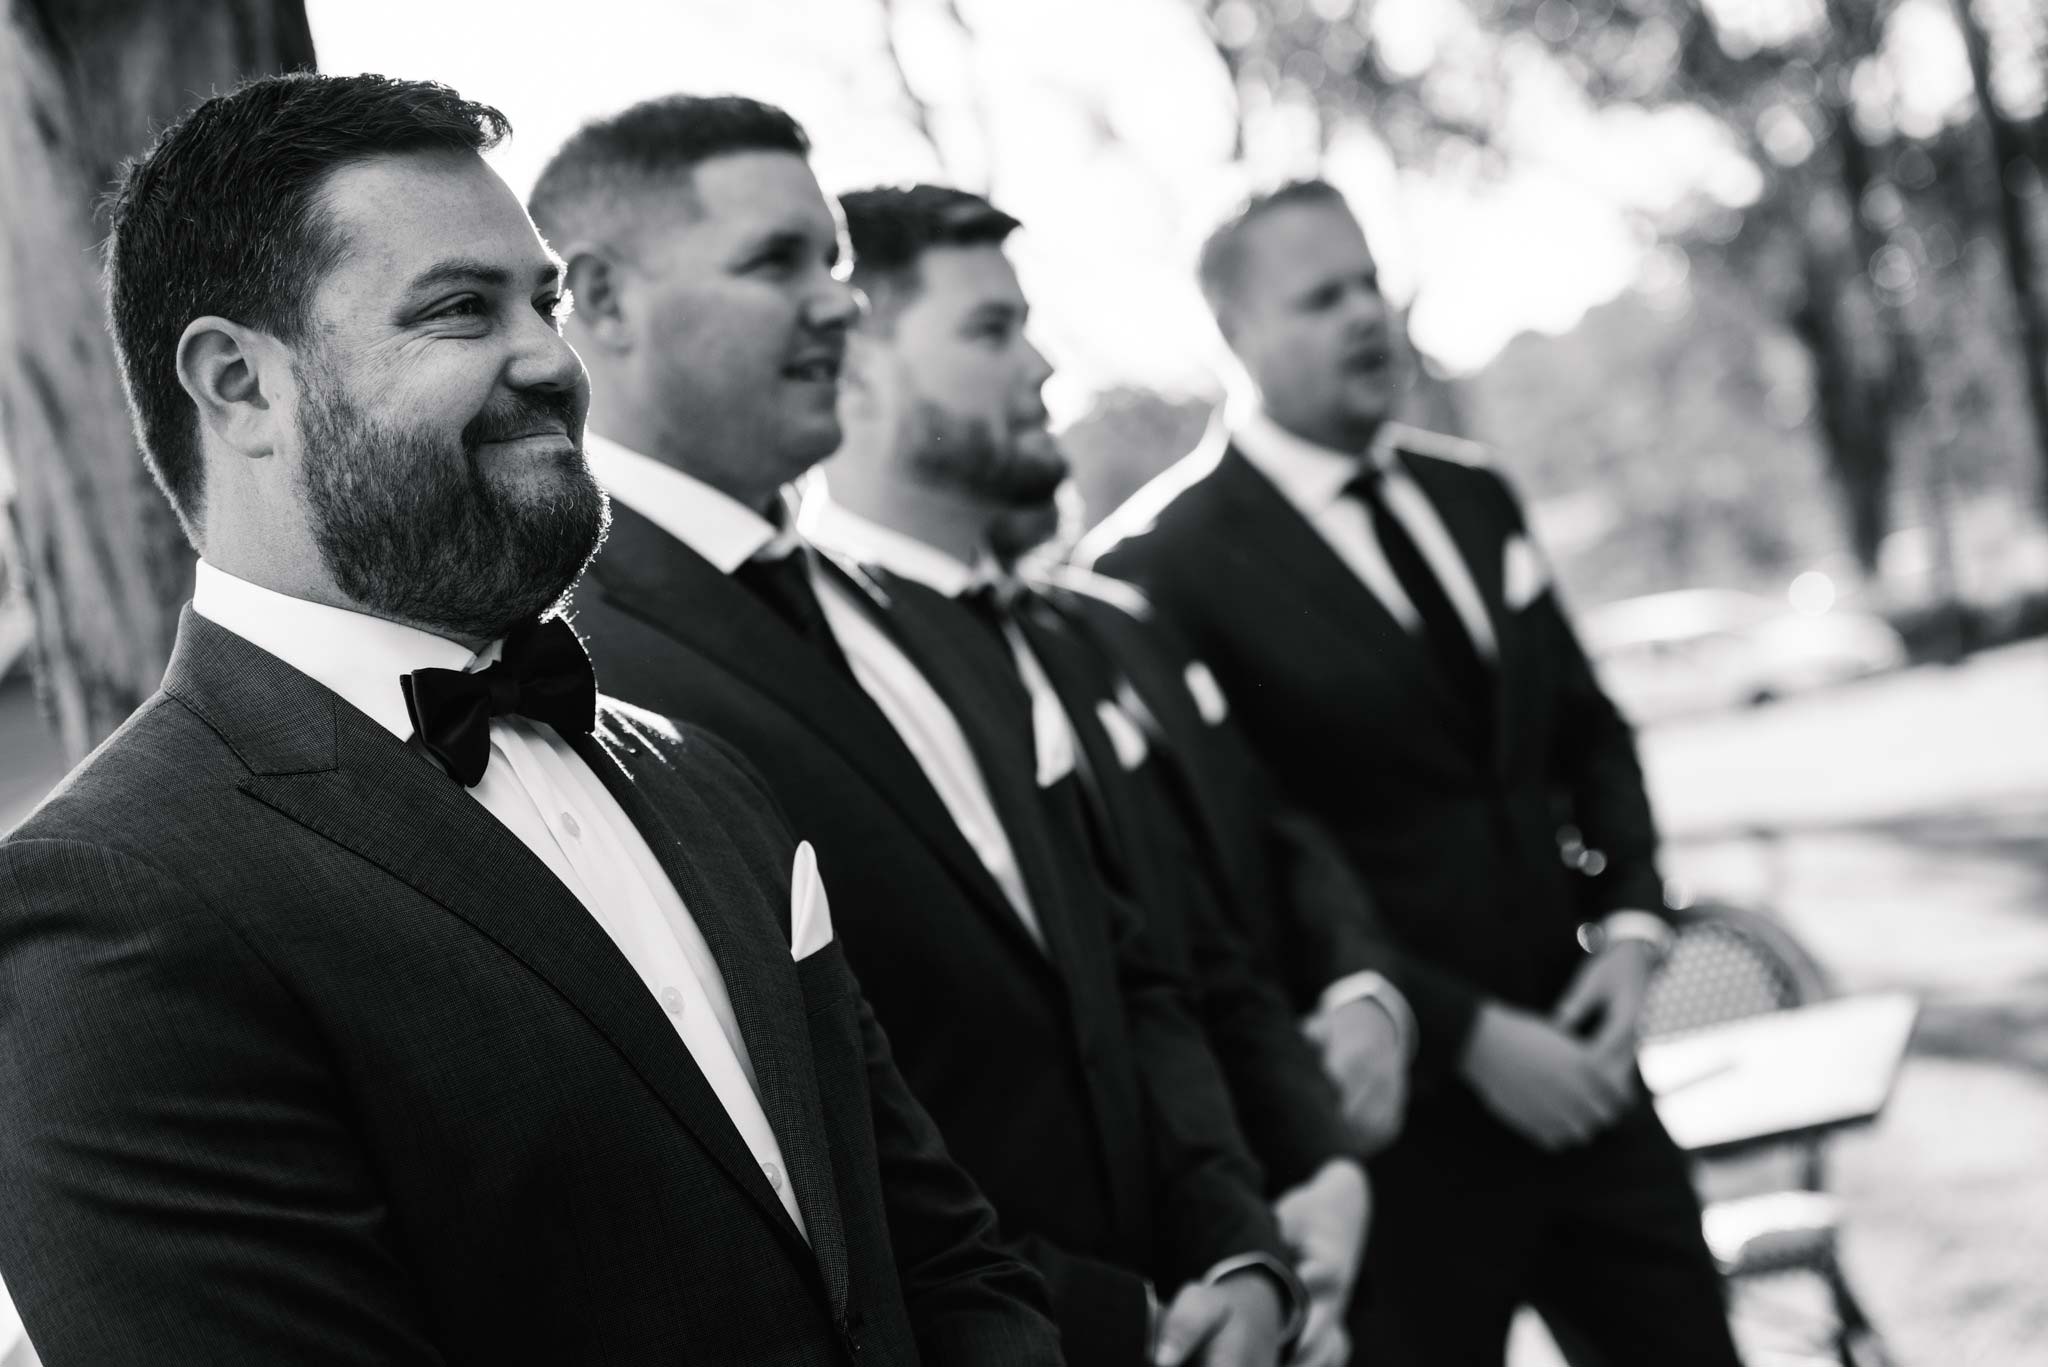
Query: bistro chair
point(1727, 964)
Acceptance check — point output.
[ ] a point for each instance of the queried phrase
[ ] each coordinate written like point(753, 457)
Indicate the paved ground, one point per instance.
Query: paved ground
point(1901, 827)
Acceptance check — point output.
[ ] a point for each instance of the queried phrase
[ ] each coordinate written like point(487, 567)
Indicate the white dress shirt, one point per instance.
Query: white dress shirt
point(835, 528)
point(540, 790)
point(847, 533)
point(728, 533)
point(1313, 478)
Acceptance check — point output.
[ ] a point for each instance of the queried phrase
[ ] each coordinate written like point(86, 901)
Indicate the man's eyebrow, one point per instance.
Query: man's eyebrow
point(789, 238)
point(468, 271)
point(997, 311)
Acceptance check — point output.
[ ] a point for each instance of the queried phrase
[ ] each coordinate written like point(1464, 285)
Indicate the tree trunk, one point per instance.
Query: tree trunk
point(1853, 427)
point(83, 86)
point(2009, 148)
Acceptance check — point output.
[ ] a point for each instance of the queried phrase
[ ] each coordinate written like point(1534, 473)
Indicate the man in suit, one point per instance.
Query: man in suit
point(1057, 1058)
point(379, 993)
point(946, 472)
point(1370, 600)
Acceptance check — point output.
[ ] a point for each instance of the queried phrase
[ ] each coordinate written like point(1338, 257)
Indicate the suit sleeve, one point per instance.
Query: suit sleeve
point(179, 1182)
point(1326, 923)
point(1208, 1190)
point(970, 1300)
point(1594, 756)
point(1284, 1100)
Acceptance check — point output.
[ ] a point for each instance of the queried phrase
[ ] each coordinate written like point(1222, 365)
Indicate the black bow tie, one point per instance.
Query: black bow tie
point(542, 675)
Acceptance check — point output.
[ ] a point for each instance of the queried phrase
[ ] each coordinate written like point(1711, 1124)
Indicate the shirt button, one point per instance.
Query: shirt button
point(569, 826)
point(774, 1175)
point(672, 1001)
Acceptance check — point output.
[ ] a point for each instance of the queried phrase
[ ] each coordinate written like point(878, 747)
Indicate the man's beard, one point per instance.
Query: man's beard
point(966, 455)
point(417, 532)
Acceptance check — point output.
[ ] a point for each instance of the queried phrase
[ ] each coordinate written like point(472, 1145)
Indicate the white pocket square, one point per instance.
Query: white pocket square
point(1124, 735)
point(1523, 577)
point(1208, 694)
point(810, 916)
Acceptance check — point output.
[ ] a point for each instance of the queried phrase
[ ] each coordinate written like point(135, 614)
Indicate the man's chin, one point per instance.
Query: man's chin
point(1371, 401)
point(1020, 529)
point(808, 441)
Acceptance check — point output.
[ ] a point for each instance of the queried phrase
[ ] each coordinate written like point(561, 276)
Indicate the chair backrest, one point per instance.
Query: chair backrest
point(1728, 963)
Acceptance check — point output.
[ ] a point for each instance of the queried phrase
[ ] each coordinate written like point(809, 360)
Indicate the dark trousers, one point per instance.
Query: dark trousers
point(1605, 1238)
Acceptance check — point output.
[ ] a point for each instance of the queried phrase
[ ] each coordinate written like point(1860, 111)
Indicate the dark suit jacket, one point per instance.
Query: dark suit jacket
point(1290, 889)
point(1285, 1103)
point(1456, 835)
point(305, 1058)
point(1055, 1078)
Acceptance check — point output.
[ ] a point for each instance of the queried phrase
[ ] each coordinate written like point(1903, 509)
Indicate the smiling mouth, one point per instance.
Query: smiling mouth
point(816, 370)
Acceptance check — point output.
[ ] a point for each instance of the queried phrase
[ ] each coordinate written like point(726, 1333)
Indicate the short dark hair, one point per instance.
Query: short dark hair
point(222, 215)
point(891, 228)
point(1222, 257)
point(657, 142)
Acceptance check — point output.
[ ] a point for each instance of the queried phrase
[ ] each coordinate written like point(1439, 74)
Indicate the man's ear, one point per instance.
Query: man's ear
point(235, 376)
point(593, 276)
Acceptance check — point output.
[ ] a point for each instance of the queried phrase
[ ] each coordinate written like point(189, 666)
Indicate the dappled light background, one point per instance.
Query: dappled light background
point(1722, 281)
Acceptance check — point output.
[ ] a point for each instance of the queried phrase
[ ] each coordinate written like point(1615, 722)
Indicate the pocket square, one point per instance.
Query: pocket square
point(810, 916)
point(1207, 693)
point(1523, 577)
point(1124, 735)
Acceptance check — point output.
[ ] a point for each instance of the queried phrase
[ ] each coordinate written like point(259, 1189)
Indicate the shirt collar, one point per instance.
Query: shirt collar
point(1311, 475)
point(709, 521)
point(832, 527)
point(357, 656)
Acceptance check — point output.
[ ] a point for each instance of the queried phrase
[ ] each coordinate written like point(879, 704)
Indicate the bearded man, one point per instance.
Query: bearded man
point(1051, 1044)
point(379, 992)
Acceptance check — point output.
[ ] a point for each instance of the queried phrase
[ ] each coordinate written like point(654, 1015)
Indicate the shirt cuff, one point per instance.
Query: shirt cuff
point(1384, 995)
point(1293, 1295)
point(1646, 926)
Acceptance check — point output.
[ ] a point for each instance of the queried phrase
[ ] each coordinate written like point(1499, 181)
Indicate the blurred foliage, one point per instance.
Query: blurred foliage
point(1859, 348)
point(1701, 467)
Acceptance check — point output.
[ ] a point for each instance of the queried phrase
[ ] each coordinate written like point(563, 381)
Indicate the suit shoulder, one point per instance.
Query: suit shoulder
point(1419, 441)
point(641, 737)
point(1091, 589)
point(1169, 500)
point(162, 767)
point(647, 736)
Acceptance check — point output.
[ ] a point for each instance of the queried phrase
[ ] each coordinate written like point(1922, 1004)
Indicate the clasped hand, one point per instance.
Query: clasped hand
point(1362, 1053)
point(1324, 1221)
point(1551, 1081)
point(1233, 1322)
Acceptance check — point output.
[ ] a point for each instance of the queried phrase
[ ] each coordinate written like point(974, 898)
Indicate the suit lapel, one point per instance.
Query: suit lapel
point(323, 764)
point(1480, 539)
point(940, 637)
point(649, 574)
point(1324, 586)
point(748, 936)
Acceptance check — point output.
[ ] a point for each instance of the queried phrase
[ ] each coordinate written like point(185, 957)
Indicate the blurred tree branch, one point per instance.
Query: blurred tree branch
point(84, 86)
point(2011, 150)
point(924, 116)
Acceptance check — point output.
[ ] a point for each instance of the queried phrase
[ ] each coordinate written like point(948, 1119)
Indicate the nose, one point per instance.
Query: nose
point(1041, 369)
point(1369, 306)
point(544, 359)
point(833, 305)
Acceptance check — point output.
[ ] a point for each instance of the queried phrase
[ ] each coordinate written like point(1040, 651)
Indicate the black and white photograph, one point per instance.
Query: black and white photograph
point(1024, 683)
